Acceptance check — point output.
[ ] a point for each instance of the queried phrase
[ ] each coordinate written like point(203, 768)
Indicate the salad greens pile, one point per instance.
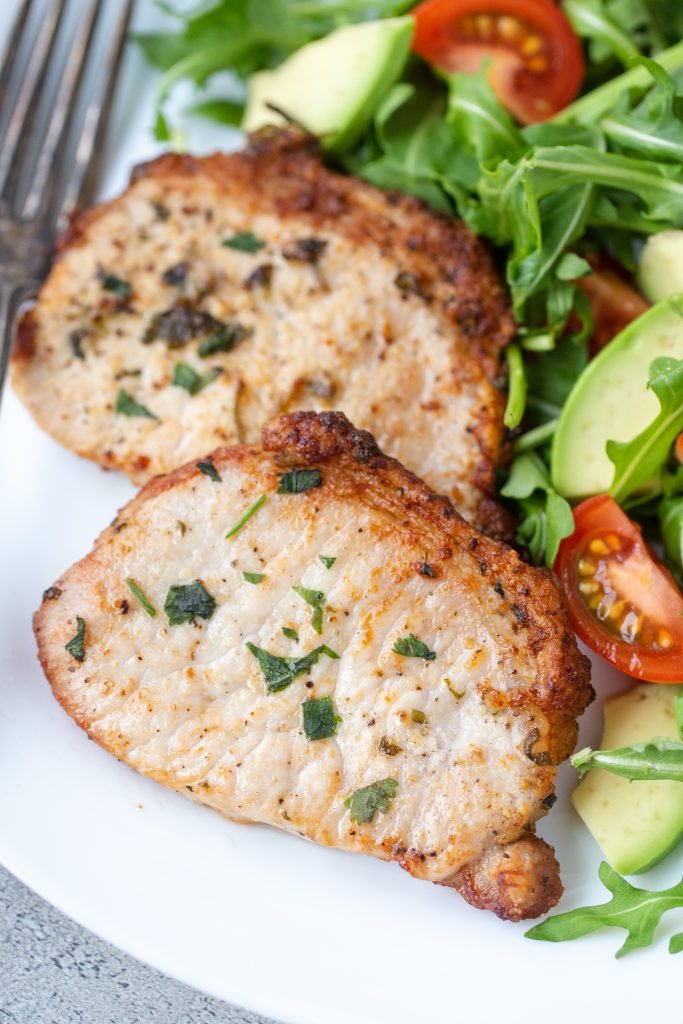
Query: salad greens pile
point(598, 177)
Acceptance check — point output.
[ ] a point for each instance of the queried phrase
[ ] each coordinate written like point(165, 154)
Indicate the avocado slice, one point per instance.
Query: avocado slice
point(660, 269)
point(611, 400)
point(332, 87)
point(634, 823)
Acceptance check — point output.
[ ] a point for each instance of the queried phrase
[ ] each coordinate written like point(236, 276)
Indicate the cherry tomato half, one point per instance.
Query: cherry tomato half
point(537, 62)
point(622, 602)
point(614, 304)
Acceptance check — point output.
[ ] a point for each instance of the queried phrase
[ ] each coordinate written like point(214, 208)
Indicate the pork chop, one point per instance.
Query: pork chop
point(305, 635)
point(217, 292)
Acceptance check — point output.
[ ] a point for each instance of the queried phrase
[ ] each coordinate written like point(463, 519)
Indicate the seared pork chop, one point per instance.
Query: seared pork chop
point(304, 634)
point(219, 291)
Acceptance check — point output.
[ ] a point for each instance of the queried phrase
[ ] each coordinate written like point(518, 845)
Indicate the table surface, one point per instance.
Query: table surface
point(52, 971)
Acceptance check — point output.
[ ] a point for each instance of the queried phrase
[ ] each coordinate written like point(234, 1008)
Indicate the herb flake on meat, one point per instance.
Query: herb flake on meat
point(208, 469)
point(76, 645)
point(299, 480)
point(187, 601)
point(327, 560)
point(141, 598)
point(224, 338)
point(185, 376)
point(290, 633)
point(76, 339)
point(243, 241)
point(117, 285)
point(279, 672)
point(179, 324)
point(319, 718)
point(316, 600)
point(305, 250)
point(127, 406)
point(364, 803)
point(247, 516)
point(410, 647)
point(253, 577)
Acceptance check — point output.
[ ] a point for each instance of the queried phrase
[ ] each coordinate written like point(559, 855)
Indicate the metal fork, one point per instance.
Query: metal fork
point(47, 168)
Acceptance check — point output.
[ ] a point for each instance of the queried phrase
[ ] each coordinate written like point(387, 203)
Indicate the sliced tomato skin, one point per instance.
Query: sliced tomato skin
point(529, 96)
point(595, 518)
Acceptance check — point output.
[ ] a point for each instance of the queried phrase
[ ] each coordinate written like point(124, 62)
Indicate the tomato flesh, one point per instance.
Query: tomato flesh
point(614, 304)
point(622, 602)
point(537, 62)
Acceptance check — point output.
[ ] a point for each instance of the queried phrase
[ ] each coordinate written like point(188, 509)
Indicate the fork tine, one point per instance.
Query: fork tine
point(56, 140)
point(11, 49)
point(90, 152)
point(19, 129)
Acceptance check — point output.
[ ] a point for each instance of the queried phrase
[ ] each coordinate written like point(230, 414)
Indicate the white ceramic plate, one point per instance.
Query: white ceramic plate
point(254, 916)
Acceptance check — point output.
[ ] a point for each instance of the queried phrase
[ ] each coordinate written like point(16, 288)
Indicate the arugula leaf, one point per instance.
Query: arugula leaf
point(187, 601)
point(299, 480)
point(208, 469)
point(247, 516)
point(654, 129)
point(140, 596)
point(636, 462)
point(650, 761)
point(592, 20)
point(638, 911)
point(279, 672)
point(364, 803)
point(410, 647)
point(76, 645)
point(670, 513)
point(253, 577)
point(290, 633)
point(185, 377)
point(319, 718)
point(327, 560)
point(244, 241)
point(546, 518)
point(127, 406)
point(316, 599)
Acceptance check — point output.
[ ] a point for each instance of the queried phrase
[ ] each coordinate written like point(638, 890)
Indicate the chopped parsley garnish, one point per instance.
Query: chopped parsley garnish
point(187, 601)
point(253, 577)
point(76, 645)
point(117, 285)
point(418, 716)
point(280, 672)
point(244, 241)
point(320, 718)
point(208, 469)
point(305, 250)
point(247, 516)
point(316, 599)
point(388, 747)
point(127, 406)
point(76, 343)
point(182, 527)
point(366, 802)
point(185, 377)
point(290, 633)
point(224, 339)
point(427, 570)
point(139, 596)
point(327, 561)
point(458, 694)
point(410, 647)
point(299, 480)
point(179, 324)
point(52, 593)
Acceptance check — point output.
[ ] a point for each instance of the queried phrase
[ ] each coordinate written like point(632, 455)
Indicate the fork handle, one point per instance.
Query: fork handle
point(12, 298)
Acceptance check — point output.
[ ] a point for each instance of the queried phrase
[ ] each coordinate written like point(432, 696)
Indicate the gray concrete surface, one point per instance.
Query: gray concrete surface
point(52, 971)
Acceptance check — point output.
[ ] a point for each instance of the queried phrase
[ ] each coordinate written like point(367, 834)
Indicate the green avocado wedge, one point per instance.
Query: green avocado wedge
point(634, 823)
point(332, 87)
point(612, 402)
